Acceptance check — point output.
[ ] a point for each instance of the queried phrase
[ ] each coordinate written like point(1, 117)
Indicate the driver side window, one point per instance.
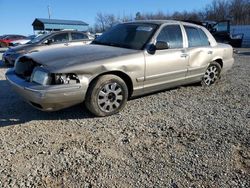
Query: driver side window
point(172, 35)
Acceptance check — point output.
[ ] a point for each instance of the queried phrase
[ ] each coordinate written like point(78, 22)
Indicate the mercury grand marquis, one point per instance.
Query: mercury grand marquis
point(129, 60)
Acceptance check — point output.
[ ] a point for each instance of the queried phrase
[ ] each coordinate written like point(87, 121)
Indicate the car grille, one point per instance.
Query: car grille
point(24, 67)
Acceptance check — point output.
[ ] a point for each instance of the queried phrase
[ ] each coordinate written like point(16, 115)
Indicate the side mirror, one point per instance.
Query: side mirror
point(161, 45)
point(48, 41)
point(151, 49)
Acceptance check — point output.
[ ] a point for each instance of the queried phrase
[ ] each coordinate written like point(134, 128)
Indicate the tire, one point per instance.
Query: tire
point(212, 74)
point(106, 96)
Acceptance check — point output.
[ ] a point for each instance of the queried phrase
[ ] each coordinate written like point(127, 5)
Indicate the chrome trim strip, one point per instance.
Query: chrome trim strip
point(156, 76)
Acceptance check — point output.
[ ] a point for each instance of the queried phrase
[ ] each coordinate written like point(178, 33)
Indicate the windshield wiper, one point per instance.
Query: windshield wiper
point(106, 43)
point(112, 44)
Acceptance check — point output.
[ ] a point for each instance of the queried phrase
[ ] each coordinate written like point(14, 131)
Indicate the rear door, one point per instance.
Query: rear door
point(199, 51)
point(167, 67)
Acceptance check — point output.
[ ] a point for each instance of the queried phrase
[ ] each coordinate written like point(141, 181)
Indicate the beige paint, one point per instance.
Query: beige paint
point(148, 73)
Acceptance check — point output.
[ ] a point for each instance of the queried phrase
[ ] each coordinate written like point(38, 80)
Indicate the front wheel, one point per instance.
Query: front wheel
point(107, 95)
point(212, 74)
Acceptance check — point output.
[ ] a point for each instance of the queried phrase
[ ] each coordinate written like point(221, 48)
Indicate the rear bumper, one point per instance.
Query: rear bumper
point(47, 98)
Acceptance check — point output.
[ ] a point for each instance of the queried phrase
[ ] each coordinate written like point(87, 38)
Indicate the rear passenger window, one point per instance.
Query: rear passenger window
point(173, 35)
point(78, 36)
point(196, 37)
point(204, 38)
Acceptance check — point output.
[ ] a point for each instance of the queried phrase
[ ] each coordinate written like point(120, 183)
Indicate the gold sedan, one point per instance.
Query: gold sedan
point(130, 59)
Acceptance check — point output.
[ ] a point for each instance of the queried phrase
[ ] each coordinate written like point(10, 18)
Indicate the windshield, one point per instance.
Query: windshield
point(129, 35)
point(39, 38)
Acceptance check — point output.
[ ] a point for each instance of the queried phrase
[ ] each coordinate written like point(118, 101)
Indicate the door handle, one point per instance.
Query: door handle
point(66, 44)
point(184, 55)
point(210, 52)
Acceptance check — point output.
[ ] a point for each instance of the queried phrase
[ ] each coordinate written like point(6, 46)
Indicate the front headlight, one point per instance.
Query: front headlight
point(40, 76)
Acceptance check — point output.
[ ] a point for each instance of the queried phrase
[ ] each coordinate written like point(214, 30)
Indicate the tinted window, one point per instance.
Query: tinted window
point(173, 35)
point(63, 37)
point(196, 37)
point(130, 35)
point(78, 36)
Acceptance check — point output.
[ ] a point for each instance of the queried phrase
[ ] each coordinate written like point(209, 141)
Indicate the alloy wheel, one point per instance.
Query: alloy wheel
point(110, 97)
point(211, 75)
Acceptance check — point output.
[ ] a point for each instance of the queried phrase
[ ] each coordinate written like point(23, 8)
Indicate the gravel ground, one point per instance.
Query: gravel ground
point(184, 137)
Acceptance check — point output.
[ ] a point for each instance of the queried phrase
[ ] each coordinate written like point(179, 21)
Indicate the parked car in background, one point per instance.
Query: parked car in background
point(50, 40)
point(97, 35)
point(22, 41)
point(5, 40)
point(130, 59)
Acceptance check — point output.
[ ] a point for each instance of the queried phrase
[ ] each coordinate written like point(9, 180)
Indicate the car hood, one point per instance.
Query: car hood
point(69, 56)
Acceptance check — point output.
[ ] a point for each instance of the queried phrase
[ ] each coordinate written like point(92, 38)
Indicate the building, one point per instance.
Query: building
point(42, 24)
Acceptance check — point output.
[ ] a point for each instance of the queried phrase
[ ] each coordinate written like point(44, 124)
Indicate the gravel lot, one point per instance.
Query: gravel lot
point(184, 137)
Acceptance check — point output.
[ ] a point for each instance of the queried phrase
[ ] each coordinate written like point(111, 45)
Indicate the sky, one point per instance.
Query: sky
point(17, 15)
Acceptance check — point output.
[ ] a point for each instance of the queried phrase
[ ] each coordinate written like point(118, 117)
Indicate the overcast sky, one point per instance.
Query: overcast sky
point(17, 15)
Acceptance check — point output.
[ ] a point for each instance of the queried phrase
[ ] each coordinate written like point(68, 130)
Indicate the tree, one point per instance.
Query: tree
point(238, 11)
point(218, 10)
point(105, 21)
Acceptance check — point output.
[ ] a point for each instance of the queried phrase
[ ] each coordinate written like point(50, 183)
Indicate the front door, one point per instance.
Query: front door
point(167, 67)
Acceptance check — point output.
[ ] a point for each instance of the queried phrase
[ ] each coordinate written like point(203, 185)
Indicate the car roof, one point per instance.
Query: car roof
point(160, 22)
point(65, 31)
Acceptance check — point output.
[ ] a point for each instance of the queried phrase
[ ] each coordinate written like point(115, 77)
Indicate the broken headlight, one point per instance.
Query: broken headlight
point(43, 77)
point(70, 78)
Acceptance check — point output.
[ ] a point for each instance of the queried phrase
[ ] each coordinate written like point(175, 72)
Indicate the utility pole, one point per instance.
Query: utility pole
point(49, 11)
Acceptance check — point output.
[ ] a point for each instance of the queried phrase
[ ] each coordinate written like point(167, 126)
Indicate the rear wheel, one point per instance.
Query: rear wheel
point(212, 74)
point(107, 95)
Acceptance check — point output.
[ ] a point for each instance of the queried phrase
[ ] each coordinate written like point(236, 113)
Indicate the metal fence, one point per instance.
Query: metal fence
point(245, 29)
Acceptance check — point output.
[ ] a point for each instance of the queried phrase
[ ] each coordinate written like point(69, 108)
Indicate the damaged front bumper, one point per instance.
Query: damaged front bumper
point(49, 97)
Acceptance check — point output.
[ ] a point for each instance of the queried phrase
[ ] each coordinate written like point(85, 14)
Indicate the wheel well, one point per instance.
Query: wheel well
point(123, 76)
point(219, 61)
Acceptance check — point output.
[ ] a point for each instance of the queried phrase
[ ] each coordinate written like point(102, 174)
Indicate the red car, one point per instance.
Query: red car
point(6, 39)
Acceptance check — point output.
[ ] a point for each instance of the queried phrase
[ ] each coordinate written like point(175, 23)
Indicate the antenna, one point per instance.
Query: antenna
point(49, 11)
